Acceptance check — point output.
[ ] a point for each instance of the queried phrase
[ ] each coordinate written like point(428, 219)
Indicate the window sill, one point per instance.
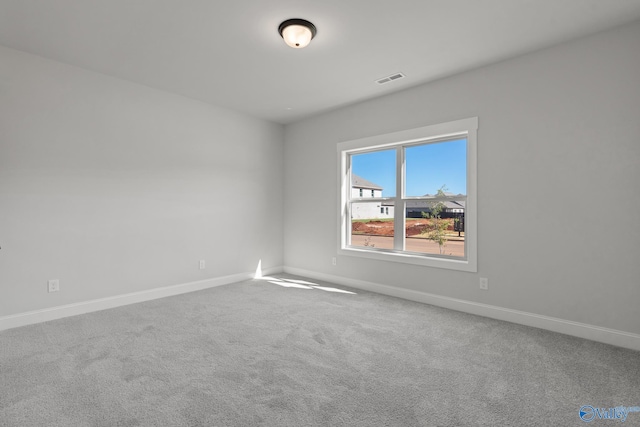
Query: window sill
point(407, 258)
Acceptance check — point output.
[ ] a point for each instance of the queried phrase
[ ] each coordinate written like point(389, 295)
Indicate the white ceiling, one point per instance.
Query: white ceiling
point(228, 53)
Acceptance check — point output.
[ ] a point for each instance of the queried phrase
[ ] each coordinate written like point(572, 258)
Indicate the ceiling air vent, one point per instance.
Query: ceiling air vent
point(390, 78)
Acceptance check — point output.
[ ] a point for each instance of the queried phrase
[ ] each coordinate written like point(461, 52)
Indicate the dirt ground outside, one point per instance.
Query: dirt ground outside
point(379, 234)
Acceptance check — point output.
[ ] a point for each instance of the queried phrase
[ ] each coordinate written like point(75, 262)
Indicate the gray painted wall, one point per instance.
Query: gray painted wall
point(558, 175)
point(113, 187)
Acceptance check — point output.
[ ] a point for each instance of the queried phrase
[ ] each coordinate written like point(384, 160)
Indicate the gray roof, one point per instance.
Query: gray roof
point(425, 204)
point(455, 204)
point(446, 193)
point(358, 182)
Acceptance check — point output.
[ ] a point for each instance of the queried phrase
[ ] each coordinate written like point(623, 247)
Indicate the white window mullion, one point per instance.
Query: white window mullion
point(399, 208)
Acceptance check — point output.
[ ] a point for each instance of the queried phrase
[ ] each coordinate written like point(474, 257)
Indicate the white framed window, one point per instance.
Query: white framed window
point(428, 178)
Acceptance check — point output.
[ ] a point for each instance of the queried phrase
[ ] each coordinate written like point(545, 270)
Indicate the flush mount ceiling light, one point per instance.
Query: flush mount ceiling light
point(297, 33)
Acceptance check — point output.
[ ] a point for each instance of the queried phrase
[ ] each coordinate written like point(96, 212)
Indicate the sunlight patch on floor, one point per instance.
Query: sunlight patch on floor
point(258, 274)
point(301, 284)
point(289, 285)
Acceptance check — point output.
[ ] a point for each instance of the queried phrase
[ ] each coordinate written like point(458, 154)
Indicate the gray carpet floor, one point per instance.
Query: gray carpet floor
point(291, 352)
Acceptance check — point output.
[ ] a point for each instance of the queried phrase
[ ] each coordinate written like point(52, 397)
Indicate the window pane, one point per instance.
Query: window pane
point(435, 166)
point(372, 224)
point(435, 227)
point(373, 174)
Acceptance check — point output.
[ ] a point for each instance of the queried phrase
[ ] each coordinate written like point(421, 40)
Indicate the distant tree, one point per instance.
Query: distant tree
point(436, 230)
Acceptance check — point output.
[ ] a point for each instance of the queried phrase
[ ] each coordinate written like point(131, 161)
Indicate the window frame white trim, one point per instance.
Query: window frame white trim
point(464, 128)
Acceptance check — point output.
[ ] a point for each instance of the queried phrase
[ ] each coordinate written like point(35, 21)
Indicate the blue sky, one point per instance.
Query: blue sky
point(428, 167)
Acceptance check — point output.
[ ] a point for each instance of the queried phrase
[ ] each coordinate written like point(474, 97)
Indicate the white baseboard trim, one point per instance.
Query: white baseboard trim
point(53, 313)
point(568, 327)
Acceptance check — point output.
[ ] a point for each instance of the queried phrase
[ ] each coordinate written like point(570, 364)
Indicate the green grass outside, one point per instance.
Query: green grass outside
point(379, 219)
point(372, 219)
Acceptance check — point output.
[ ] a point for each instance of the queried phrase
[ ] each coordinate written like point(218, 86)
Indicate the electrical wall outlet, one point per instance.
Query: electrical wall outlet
point(334, 261)
point(202, 264)
point(484, 283)
point(54, 285)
